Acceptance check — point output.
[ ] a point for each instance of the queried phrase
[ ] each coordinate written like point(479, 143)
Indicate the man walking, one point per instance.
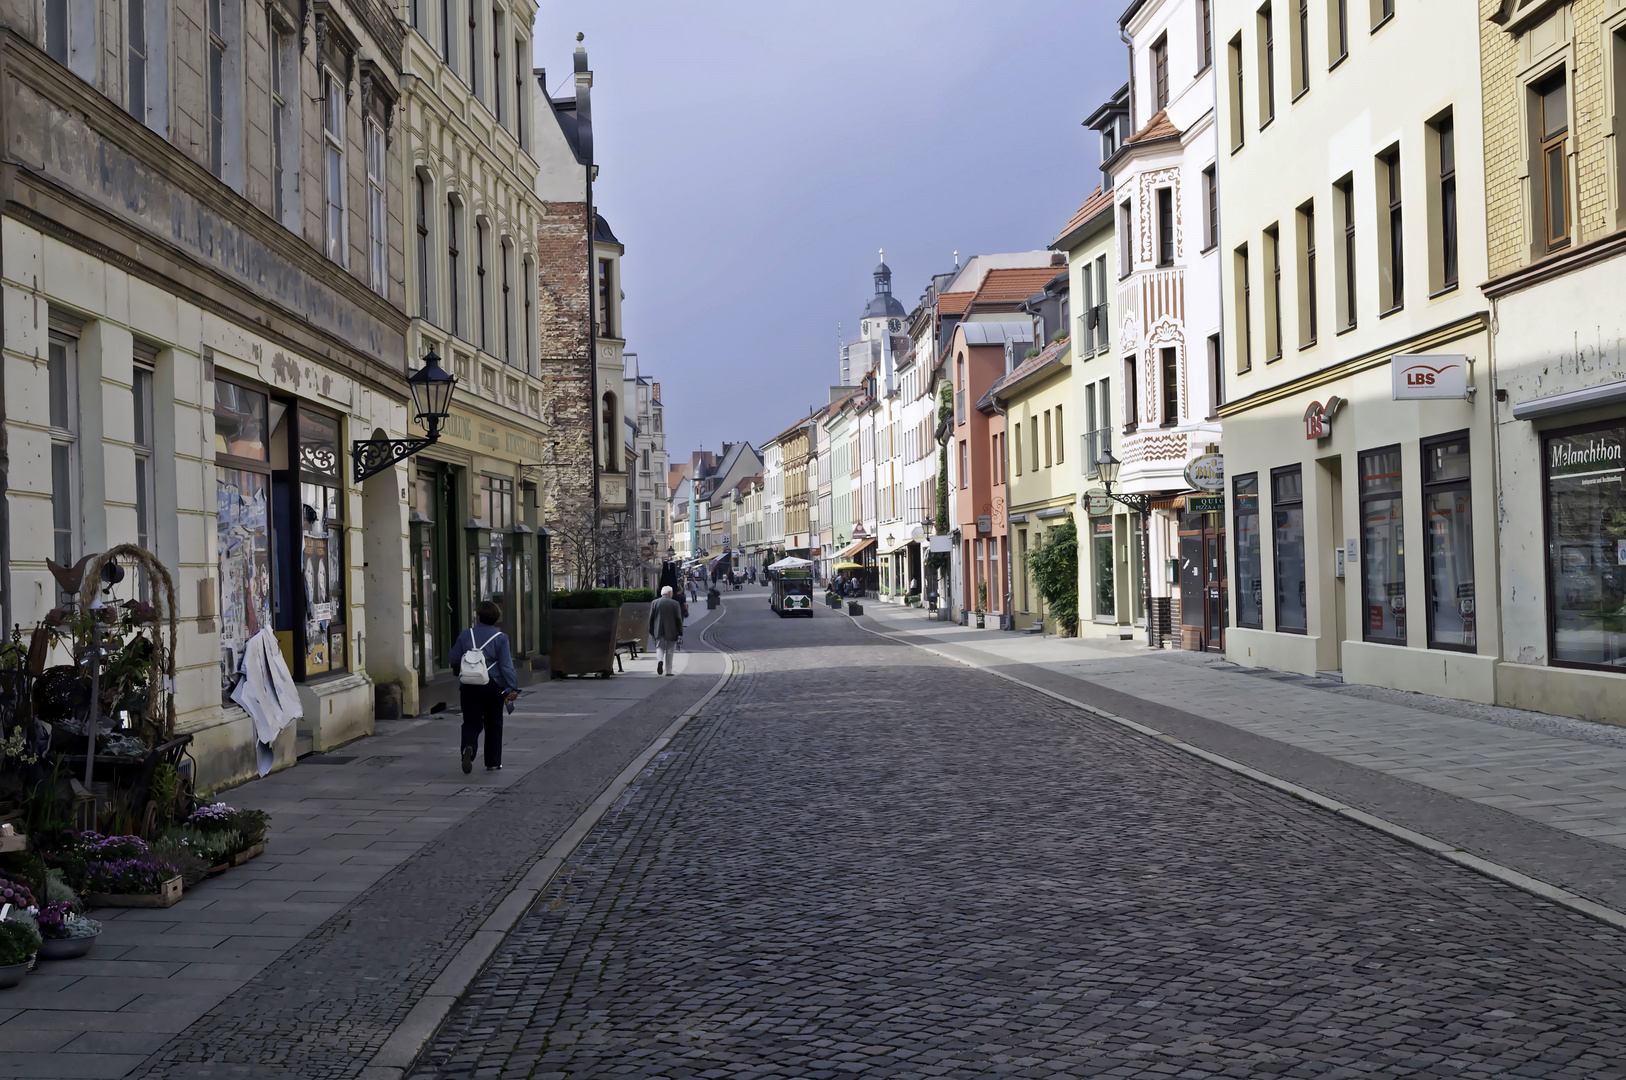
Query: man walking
point(666, 626)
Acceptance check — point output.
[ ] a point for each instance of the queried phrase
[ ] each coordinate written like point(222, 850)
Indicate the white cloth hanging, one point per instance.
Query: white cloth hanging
point(267, 693)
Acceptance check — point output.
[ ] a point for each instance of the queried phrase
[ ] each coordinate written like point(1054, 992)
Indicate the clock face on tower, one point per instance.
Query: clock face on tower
point(895, 325)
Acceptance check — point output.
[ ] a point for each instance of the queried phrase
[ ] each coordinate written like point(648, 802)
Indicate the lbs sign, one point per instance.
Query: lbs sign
point(1429, 375)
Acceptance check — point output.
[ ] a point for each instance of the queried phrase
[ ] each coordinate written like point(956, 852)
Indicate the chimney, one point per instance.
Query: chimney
point(584, 100)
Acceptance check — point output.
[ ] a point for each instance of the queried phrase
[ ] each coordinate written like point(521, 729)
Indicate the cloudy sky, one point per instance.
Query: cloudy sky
point(754, 157)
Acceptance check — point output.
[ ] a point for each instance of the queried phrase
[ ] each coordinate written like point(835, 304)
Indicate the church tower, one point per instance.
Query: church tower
point(883, 317)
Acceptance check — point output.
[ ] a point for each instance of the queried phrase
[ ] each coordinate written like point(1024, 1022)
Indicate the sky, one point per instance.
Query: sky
point(754, 157)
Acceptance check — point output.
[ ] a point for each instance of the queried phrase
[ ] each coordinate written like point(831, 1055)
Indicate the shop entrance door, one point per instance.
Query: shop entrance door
point(1203, 612)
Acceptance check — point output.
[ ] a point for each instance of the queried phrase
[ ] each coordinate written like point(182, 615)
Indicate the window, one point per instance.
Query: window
point(646, 461)
point(643, 516)
point(1250, 585)
point(62, 375)
point(334, 174)
point(1346, 262)
point(965, 465)
point(1160, 73)
point(1383, 548)
point(1307, 276)
point(1059, 443)
point(959, 390)
point(70, 35)
point(56, 30)
point(1443, 253)
point(376, 220)
point(1393, 238)
point(1205, 34)
point(528, 325)
point(1018, 432)
point(284, 132)
point(1210, 209)
point(520, 129)
point(243, 522)
point(1048, 435)
point(420, 200)
point(1267, 67)
point(1586, 572)
point(217, 88)
point(482, 300)
point(1552, 176)
point(1287, 547)
point(1169, 369)
point(1337, 32)
point(1301, 50)
point(608, 419)
point(1382, 12)
point(1165, 226)
point(499, 79)
point(142, 442)
point(1126, 229)
point(507, 303)
point(606, 326)
point(320, 554)
point(474, 51)
point(135, 58)
point(1236, 93)
point(1244, 315)
point(1273, 295)
point(1449, 532)
point(454, 283)
point(1216, 380)
point(1102, 309)
point(446, 30)
point(415, 14)
point(1131, 395)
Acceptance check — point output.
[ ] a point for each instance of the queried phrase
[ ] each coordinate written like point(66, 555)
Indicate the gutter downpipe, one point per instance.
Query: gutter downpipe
point(1007, 617)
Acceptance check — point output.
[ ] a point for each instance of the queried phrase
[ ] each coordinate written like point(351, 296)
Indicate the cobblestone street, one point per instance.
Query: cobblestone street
point(862, 859)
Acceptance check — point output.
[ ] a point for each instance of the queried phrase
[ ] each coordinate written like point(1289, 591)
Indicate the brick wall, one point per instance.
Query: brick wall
point(1508, 223)
point(564, 338)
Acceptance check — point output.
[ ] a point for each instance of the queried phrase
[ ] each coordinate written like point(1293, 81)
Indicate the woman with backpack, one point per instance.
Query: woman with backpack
point(487, 684)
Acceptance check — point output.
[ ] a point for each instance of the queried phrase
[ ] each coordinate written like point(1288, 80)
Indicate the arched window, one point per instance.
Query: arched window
point(609, 433)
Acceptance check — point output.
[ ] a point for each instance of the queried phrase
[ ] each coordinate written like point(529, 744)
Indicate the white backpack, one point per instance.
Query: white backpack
point(474, 669)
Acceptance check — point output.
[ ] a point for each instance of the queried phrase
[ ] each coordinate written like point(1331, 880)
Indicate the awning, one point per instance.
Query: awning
point(1611, 393)
point(851, 554)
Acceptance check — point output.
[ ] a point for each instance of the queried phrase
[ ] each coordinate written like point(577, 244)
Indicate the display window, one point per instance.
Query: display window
point(1584, 475)
point(1287, 545)
point(1449, 530)
point(243, 521)
point(1103, 567)
point(1383, 548)
point(321, 542)
point(1250, 585)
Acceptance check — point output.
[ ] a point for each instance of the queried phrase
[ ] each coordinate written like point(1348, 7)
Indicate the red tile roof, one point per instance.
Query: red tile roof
point(1049, 355)
point(1012, 286)
point(954, 303)
point(1098, 201)
point(1158, 127)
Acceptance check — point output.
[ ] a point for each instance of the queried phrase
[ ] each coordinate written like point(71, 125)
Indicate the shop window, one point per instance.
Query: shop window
point(1287, 547)
point(1585, 475)
point(1250, 598)
point(1383, 548)
point(243, 521)
point(1449, 530)
point(494, 565)
point(321, 542)
point(62, 373)
point(1102, 564)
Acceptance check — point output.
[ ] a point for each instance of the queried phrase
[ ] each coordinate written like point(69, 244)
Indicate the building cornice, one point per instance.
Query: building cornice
point(1588, 254)
point(1456, 330)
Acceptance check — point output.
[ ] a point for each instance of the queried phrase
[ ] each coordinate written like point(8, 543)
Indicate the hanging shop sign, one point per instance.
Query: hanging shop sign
point(1097, 502)
point(1418, 376)
point(1205, 504)
point(1206, 472)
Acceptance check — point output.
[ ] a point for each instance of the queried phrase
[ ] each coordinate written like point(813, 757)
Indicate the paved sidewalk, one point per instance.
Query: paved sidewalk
point(1569, 776)
point(382, 858)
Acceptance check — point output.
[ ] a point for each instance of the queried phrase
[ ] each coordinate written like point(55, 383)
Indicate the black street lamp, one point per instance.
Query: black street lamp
point(1107, 466)
point(431, 387)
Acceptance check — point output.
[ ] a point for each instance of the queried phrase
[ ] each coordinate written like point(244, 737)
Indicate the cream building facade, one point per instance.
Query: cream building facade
point(1554, 100)
point(190, 350)
point(469, 131)
point(1363, 522)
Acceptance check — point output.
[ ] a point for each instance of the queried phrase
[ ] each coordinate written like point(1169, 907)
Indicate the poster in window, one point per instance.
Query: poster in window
point(1586, 515)
point(243, 538)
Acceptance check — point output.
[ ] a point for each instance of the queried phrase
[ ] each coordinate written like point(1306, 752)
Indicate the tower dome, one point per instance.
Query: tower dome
point(883, 305)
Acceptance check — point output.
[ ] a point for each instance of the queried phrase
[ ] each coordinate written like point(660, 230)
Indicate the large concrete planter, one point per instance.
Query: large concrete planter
point(583, 641)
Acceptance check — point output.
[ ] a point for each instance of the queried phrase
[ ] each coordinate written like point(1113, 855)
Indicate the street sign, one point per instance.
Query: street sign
point(1206, 472)
point(1097, 502)
point(1205, 504)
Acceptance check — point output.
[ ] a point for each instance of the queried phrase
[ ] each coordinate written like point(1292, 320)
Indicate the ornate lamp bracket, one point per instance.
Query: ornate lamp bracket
point(369, 457)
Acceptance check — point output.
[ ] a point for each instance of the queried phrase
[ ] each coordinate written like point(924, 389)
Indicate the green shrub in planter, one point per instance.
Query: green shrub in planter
point(210, 845)
point(584, 599)
point(18, 941)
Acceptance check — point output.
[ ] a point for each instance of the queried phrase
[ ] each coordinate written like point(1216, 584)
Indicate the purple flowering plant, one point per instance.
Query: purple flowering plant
point(16, 894)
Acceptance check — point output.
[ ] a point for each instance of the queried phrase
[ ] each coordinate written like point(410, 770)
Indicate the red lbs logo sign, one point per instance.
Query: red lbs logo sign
point(1318, 418)
point(1429, 375)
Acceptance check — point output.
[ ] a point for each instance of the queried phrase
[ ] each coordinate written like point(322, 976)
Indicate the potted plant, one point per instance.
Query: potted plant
point(982, 602)
point(64, 933)
point(19, 941)
point(582, 632)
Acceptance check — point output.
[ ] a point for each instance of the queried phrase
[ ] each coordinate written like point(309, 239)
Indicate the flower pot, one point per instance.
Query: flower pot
point(12, 974)
point(66, 948)
point(979, 620)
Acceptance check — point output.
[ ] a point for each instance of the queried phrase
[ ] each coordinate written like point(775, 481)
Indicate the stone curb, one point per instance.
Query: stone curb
point(400, 1051)
point(1506, 875)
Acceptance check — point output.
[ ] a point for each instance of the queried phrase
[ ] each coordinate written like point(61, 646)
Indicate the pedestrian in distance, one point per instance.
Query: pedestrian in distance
point(666, 627)
point(487, 684)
